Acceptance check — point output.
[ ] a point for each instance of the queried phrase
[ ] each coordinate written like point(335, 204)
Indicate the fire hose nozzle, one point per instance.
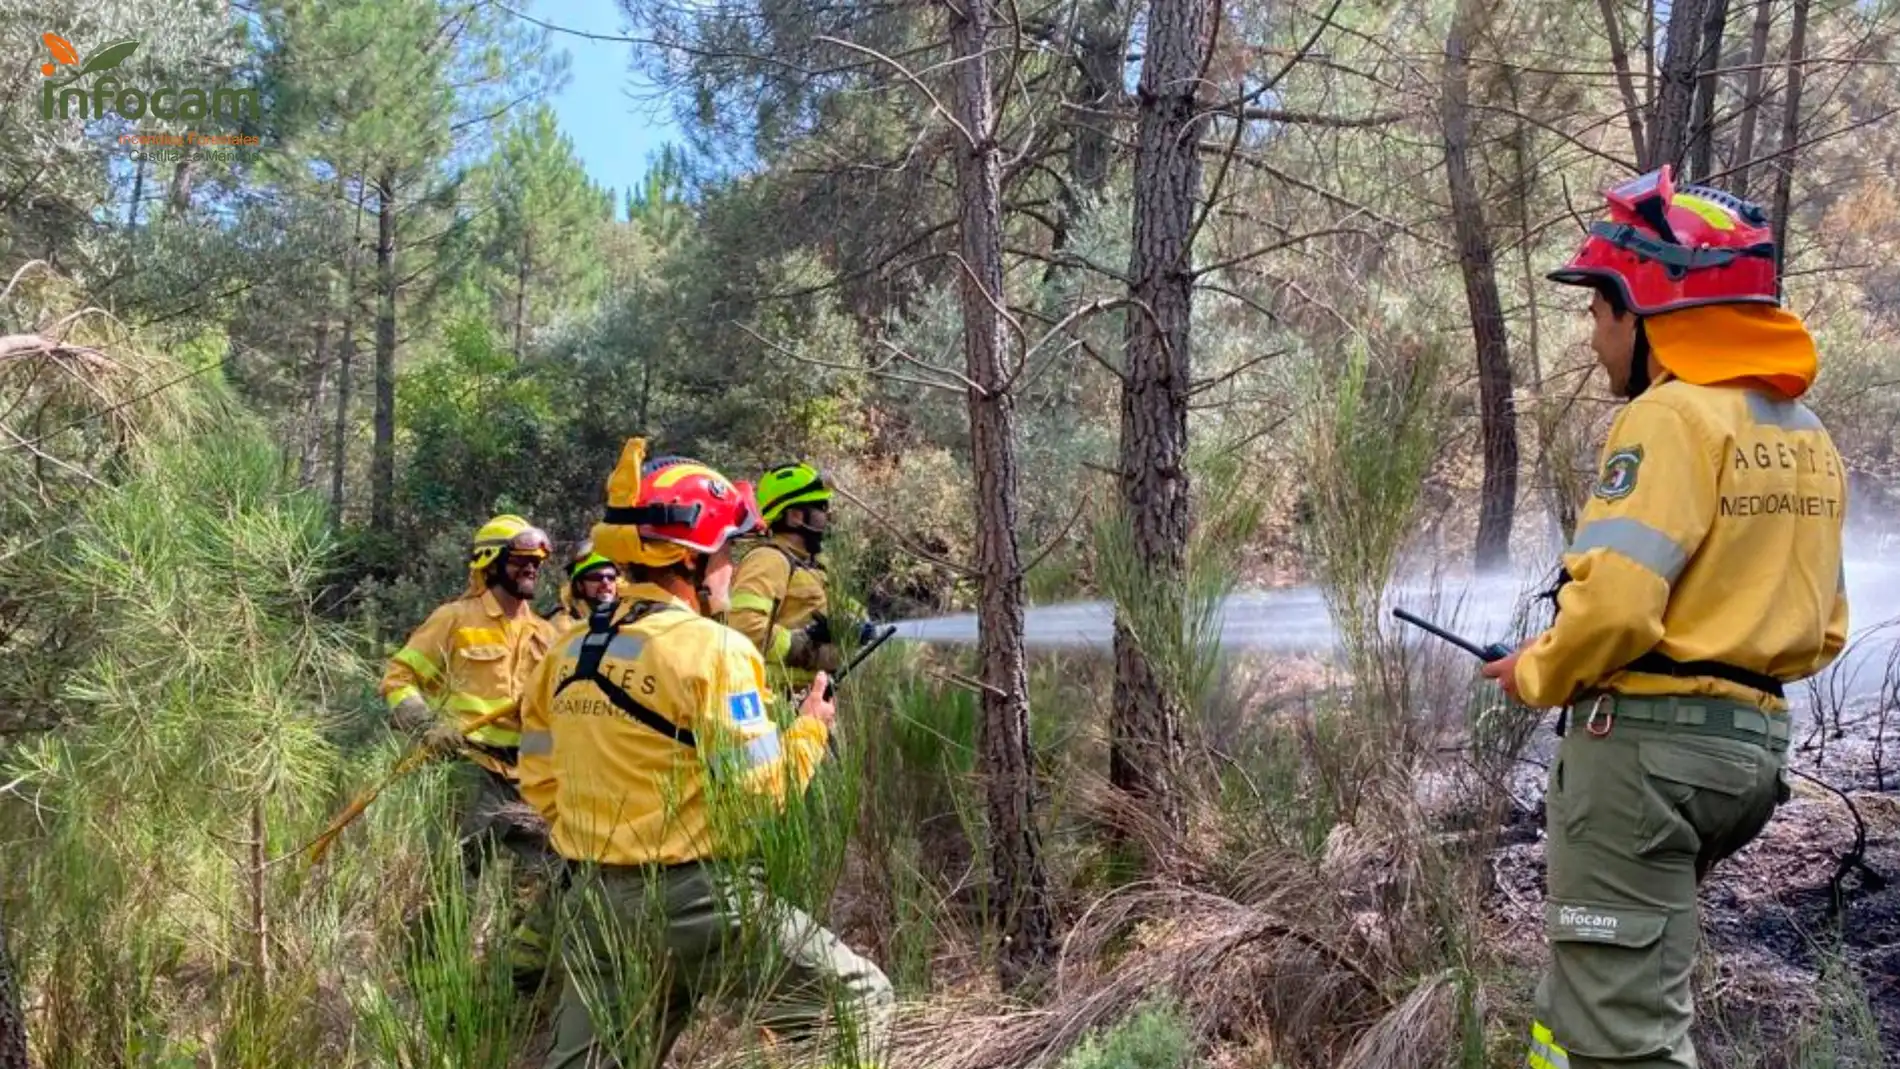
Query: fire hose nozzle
point(1496, 651)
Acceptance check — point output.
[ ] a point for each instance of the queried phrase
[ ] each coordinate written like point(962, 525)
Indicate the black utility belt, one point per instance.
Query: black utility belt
point(1655, 664)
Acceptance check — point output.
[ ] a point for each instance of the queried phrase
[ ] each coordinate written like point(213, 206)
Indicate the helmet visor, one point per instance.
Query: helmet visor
point(532, 542)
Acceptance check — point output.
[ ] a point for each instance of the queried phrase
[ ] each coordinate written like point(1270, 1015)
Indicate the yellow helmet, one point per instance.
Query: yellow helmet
point(510, 534)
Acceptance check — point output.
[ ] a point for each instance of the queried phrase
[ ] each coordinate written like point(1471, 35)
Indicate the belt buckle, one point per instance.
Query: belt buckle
point(1600, 720)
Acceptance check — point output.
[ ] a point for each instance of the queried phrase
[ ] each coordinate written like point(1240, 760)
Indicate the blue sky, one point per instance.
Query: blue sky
point(615, 119)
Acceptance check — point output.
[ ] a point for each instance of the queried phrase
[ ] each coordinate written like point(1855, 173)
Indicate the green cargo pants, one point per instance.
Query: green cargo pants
point(643, 946)
point(492, 820)
point(1646, 795)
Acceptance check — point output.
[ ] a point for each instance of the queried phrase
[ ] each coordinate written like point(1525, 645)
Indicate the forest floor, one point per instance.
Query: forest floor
point(1785, 982)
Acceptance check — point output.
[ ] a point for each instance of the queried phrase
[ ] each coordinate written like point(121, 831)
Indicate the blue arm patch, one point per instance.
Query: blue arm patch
point(745, 708)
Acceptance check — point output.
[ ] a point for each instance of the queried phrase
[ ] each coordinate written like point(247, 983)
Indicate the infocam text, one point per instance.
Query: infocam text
point(108, 95)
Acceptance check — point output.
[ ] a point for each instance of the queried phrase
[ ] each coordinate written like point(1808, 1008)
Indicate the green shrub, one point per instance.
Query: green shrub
point(1155, 1037)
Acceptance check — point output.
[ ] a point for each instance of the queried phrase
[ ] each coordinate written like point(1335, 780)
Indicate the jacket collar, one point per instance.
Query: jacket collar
point(632, 594)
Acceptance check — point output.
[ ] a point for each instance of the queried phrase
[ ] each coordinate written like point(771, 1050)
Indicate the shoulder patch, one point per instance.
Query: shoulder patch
point(745, 708)
point(1619, 474)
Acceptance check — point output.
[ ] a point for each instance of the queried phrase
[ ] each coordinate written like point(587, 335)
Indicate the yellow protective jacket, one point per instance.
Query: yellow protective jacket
point(777, 590)
point(685, 779)
point(468, 659)
point(1714, 534)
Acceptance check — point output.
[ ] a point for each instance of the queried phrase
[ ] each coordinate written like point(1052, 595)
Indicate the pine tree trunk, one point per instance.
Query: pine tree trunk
point(181, 187)
point(1145, 721)
point(310, 434)
point(1497, 415)
point(1751, 97)
point(521, 291)
point(1790, 134)
point(1670, 128)
point(1097, 88)
point(1019, 883)
point(13, 1051)
point(138, 193)
point(345, 369)
point(382, 469)
point(1702, 138)
point(1625, 80)
point(1100, 43)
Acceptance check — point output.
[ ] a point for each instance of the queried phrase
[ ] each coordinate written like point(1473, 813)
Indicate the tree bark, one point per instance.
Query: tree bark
point(1790, 133)
point(1702, 137)
point(1751, 106)
point(310, 434)
point(1144, 758)
point(521, 290)
point(13, 1050)
point(1669, 129)
point(1099, 47)
point(138, 193)
point(1019, 882)
point(180, 197)
point(1625, 82)
point(382, 471)
point(1497, 415)
point(1099, 50)
point(345, 367)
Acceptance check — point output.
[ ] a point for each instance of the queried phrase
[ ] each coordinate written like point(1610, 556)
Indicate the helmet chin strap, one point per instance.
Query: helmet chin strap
point(814, 540)
point(700, 562)
point(1639, 366)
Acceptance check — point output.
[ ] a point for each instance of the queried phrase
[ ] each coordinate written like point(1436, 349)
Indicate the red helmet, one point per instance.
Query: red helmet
point(679, 505)
point(1668, 248)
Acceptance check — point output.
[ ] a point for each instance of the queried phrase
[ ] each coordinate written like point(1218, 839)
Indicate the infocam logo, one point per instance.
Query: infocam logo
point(59, 99)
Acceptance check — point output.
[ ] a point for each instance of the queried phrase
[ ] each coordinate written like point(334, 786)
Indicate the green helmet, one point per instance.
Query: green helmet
point(788, 485)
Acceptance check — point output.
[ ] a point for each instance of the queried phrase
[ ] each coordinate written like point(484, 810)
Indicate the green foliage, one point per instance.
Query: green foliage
point(1156, 1036)
point(196, 722)
point(478, 420)
point(538, 247)
point(1178, 622)
point(461, 1008)
point(1371, 437)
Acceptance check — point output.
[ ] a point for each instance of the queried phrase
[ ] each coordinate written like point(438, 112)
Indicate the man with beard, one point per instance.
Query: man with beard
point(455, 687)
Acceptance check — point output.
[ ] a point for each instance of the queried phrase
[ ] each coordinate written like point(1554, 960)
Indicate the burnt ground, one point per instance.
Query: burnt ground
point(1787, 979)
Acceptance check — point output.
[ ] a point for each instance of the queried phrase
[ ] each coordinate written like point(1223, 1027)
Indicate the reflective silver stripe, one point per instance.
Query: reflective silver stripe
point(1636, 540)
point(762, 750)
point(1788, 415)
point(622, 645)
point(536, 744)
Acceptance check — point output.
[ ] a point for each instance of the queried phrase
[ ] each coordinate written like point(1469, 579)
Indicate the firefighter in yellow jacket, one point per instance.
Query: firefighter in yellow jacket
point(1704, 576)
point(471, 660)
point(648, 748)
point(778, 593)
point(592, 582)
